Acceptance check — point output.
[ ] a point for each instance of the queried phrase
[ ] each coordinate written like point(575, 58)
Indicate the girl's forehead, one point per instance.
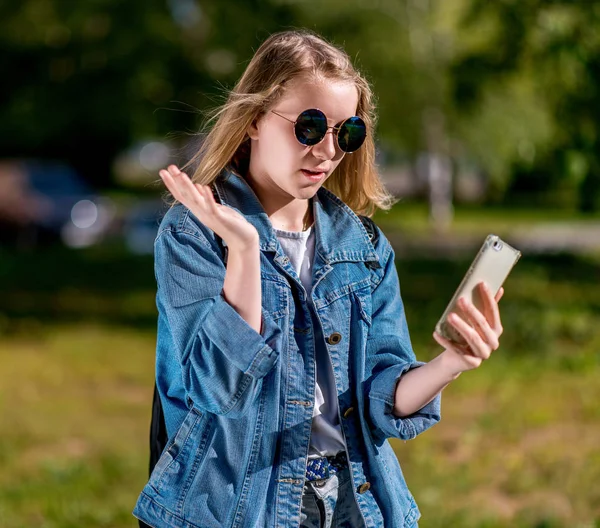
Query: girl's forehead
point(337, 99)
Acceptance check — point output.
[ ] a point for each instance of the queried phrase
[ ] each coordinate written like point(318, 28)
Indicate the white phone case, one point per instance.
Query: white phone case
point(492, 265)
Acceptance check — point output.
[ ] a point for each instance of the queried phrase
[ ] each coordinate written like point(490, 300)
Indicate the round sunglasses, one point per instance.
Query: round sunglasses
point(311, 126)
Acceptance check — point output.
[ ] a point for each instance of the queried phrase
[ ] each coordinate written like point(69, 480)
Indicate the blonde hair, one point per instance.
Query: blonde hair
point(282, 58)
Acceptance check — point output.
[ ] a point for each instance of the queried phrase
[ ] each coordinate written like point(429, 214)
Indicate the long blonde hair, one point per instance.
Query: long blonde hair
point(281, 58)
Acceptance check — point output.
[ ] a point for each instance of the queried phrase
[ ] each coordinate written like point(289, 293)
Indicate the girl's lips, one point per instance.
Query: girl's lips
point(313, 175)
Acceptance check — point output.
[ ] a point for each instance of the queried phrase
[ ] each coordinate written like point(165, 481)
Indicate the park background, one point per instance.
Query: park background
point(489, 123)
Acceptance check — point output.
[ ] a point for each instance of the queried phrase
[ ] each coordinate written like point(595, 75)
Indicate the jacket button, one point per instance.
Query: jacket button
point(363, 488)
point(348, 412)
point(334, 338)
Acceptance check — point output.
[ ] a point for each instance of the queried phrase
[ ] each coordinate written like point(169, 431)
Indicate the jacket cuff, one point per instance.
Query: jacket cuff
point(381, 405)
point(248, 350)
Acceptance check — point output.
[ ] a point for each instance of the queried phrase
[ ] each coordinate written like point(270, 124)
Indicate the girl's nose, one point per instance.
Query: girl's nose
point(325, 150)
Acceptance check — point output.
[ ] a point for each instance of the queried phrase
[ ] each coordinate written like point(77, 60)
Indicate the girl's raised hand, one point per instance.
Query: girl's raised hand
point(226, 222)
point(481, 331)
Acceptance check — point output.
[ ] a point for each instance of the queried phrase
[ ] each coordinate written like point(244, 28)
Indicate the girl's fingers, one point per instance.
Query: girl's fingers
point(479, 328)
point(491, 308)
point(188, 191)
point(170, 183)
point(471, 336)
point(183, 182)
point(470, 360)
point(499, 295)
point(446, 343)
point(209, 199)
point(173, 169)
point(480, 323)
point(183, 189)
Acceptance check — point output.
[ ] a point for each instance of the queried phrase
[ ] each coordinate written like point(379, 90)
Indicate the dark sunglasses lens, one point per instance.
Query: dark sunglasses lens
point(311, 127)
point(352, 134)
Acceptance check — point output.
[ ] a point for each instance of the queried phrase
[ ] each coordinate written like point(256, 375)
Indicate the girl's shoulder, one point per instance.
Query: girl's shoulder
point(334, 205)
point(179, 227)
point(180, 220)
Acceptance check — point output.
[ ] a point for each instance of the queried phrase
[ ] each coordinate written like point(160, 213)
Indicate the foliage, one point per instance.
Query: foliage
point(87, 79)
point(555, 45)
point(510, 87)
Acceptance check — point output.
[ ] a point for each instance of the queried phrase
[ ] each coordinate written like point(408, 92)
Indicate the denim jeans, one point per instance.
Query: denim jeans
point(330, 503)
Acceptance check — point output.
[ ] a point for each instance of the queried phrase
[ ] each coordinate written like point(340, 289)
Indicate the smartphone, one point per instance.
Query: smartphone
point(491, 265)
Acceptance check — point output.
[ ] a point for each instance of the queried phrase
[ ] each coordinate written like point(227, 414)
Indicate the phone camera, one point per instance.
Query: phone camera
point(497, 245)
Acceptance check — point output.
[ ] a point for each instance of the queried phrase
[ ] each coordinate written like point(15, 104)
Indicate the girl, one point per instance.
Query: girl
point(283, 357)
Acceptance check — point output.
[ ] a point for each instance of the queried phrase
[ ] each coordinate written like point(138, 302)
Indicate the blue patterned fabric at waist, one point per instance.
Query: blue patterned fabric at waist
point(324, 467)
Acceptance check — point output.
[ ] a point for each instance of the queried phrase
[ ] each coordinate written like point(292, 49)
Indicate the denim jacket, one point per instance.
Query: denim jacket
point(238, 404)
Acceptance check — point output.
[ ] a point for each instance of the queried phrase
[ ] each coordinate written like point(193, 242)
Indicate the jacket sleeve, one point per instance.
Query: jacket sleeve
point(222, 359)
point(389, 356)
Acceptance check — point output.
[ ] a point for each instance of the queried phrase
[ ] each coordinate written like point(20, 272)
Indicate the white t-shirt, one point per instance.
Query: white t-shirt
point(326, 438)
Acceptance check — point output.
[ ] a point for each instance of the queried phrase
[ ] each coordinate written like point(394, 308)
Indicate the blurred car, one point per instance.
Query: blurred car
point(46, 202)
point(140, 225)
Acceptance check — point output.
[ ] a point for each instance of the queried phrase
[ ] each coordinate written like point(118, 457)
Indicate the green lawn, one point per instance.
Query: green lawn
point(518, 445)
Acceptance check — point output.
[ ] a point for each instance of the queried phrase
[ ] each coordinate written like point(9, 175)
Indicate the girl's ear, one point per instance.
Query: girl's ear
point(253, 129)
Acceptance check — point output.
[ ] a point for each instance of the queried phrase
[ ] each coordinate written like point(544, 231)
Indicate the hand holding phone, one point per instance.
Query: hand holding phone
point(491, 265)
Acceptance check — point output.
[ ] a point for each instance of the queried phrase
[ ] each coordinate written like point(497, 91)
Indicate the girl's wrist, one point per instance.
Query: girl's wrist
point(245, 245)
point(451, 362)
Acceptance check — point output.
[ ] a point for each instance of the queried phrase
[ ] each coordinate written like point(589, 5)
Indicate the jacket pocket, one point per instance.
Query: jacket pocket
point(413, 515)
point(274, 296)
point(168, 461)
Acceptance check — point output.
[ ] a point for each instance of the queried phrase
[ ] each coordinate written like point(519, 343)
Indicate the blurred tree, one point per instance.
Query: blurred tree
point(554, 45)
point(403, 49)
point(86, 80)
point(83, 80)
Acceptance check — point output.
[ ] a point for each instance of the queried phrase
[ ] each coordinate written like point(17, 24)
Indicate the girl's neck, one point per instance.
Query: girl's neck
point(282, 219)
point(308, 219)
point(295, 215)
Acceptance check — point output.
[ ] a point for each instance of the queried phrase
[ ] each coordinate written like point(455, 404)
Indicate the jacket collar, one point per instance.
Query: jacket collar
point(339, 234)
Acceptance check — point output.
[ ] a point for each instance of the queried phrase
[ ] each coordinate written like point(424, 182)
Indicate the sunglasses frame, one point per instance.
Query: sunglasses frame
point(335, 128)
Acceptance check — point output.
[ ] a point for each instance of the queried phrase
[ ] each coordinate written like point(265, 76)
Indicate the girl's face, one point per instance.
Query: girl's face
point(279, 163)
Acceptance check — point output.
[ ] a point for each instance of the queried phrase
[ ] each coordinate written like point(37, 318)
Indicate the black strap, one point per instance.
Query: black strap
point(158, 436)
point(373, 233)
point(371, 229)
point(158, 430)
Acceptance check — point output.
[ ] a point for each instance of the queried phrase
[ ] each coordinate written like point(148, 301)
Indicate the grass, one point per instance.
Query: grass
point(74, 416)
point(512, 449)
point(517, 446)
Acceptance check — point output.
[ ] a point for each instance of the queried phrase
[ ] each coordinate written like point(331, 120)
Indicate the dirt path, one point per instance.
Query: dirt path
point(564, 237)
